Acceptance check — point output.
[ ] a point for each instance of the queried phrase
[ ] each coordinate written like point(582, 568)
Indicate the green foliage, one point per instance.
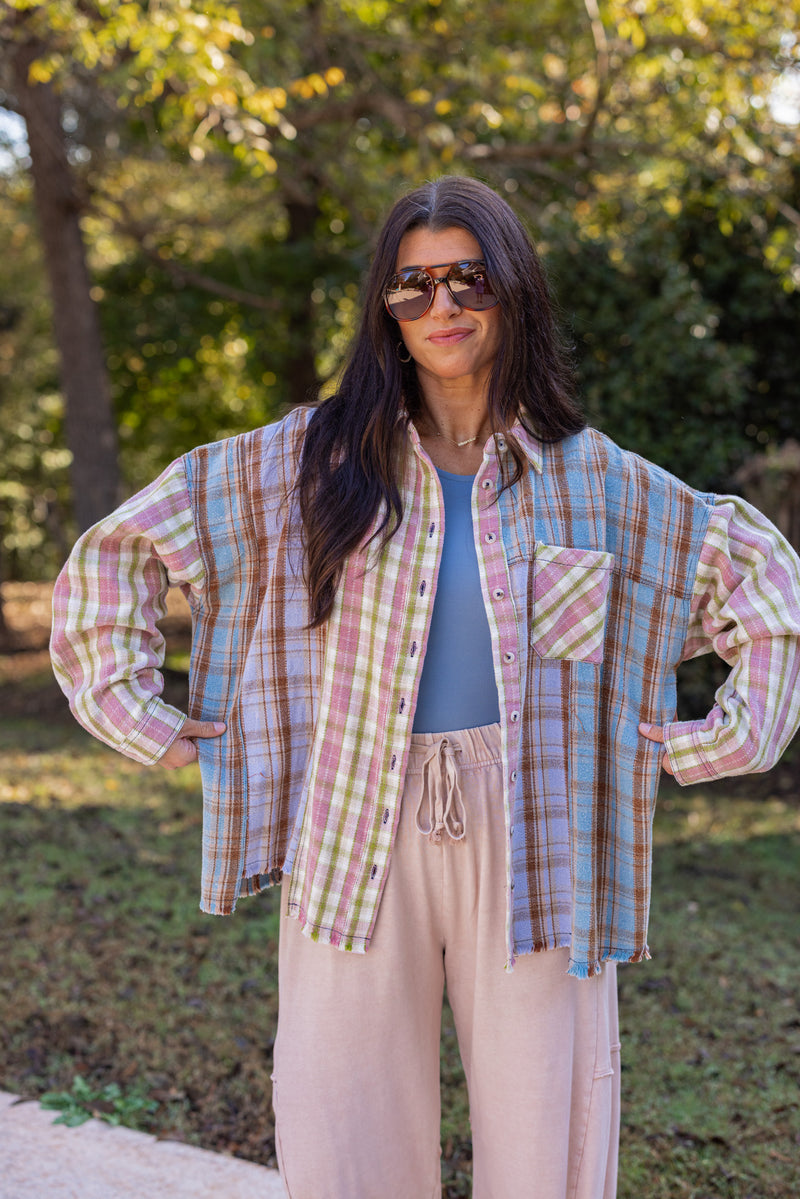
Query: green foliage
point(723, 244)
point(34, 485)
point(110, 1103)
point(685, 338)
point(234, 161)
point(185, 368)
point(188, 366)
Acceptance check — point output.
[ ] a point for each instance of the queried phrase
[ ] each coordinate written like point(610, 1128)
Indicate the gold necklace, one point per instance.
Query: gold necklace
point(458, 444)
point(438, 433)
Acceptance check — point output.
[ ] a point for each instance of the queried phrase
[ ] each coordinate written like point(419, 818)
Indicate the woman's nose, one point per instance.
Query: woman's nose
point(443, 303)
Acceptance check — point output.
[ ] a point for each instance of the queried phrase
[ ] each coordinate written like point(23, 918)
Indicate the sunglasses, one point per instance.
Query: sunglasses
point(409, 294)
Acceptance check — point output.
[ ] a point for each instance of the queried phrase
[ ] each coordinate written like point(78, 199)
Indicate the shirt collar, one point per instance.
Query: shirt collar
point(530, 445)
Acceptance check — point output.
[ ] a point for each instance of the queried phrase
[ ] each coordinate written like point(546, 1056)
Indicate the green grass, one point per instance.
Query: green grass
point(111, 974)
point(109, 969)
point(710, 1028)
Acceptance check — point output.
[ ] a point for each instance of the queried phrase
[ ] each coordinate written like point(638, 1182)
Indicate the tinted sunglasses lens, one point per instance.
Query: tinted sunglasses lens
point(470, 287)
point(408, 295)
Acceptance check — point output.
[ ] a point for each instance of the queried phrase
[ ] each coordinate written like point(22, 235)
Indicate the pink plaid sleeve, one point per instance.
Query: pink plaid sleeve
point(745, 607)
point(105, 646)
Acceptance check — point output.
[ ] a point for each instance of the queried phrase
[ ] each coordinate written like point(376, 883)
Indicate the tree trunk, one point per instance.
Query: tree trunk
point(5, 636)
point(89, 420)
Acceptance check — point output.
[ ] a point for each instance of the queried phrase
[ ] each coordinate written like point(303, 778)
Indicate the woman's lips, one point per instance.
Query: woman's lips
point(449, 337)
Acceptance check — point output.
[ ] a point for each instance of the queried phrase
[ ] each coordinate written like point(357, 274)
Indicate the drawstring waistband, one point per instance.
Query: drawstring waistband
point(442, 791)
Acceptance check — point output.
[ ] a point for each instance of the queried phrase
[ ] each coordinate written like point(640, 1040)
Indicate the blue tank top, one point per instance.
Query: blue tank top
point(457, 689)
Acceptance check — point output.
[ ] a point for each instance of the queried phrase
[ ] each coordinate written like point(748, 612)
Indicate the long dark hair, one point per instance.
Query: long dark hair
point(349, 462)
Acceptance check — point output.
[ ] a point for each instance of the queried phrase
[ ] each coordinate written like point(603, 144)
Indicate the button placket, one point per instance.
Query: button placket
point(496, 570)
point(502, 616)
point(420, 597)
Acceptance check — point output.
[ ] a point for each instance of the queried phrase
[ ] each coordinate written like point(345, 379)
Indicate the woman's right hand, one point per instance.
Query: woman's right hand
point(183, 750)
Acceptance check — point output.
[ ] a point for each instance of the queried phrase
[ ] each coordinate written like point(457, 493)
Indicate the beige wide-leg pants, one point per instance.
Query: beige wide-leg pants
point(356, 1083)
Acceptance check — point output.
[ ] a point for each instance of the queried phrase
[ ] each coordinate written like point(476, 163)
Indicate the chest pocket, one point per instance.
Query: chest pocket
point(570, 601)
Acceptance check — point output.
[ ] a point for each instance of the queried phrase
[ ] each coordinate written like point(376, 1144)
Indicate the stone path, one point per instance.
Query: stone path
point(43, 1160)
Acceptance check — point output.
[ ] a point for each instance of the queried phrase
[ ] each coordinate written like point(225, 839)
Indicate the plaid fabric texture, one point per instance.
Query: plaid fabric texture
point(105, 647)
point(599, 571)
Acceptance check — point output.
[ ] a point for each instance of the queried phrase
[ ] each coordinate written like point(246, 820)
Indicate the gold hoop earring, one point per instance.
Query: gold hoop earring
point(401, 345)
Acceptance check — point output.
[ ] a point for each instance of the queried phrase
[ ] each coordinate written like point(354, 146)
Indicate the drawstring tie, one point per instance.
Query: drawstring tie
point(442, 788)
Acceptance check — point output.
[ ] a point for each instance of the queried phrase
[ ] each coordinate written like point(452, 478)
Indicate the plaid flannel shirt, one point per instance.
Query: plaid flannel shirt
point(600, 573)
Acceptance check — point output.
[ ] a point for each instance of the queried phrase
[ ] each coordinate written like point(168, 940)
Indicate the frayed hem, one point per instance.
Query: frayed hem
point(592, 969)
point(344, 942)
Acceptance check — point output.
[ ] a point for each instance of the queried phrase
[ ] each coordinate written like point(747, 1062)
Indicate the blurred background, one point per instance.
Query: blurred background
point(188, 194)
point(188, 197)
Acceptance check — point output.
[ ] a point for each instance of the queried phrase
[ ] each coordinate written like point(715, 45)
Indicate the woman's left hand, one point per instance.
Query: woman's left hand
point(653, 733)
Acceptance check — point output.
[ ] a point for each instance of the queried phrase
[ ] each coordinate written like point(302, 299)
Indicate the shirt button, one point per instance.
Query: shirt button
point(422, 587)
point(513, 776)
point(385, 815)
point(515, 717)
point(487, 484)
point(508, 656)
point(498, 593)
point(489, 538)
point(374, 871)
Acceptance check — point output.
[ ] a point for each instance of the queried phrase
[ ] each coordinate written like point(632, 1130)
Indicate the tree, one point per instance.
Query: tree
point(90, 425)
point(52, 51)
point(654, 373)
point(34, 482)
point(234, 161)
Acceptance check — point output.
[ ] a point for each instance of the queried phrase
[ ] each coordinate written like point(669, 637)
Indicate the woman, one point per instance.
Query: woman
point(436, 629)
